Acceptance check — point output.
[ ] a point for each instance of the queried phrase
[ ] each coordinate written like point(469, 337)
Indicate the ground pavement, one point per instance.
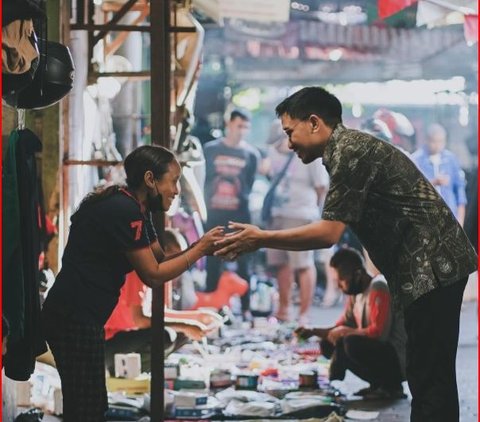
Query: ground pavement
point(399, 410)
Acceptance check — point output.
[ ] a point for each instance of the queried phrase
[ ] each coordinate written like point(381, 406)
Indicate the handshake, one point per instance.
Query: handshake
point(242, 238)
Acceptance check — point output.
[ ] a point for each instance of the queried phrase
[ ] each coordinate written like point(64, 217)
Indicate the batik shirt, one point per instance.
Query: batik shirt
point(408, 230)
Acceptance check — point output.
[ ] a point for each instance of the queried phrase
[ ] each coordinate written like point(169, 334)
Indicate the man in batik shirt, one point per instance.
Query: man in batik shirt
point(408, 230)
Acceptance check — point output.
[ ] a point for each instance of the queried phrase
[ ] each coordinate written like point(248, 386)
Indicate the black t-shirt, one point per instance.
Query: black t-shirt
point(94, 263)
point(230, 173)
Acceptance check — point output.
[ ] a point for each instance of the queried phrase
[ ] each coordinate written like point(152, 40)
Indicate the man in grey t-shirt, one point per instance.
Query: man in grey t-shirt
point(409, 232)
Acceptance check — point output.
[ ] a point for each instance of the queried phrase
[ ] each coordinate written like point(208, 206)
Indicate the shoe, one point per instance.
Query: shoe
point(247, 316)
point(282, 317)
point(382, 393)
point(331, 300)
point(303, 320)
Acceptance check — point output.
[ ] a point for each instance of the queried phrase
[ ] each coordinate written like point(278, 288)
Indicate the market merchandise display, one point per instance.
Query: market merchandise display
point(251, 373)
point(243, 370)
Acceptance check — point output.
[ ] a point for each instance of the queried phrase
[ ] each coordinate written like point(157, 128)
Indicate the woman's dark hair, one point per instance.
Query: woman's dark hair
point(346, 261)
point(152, 158)
point(312, 100)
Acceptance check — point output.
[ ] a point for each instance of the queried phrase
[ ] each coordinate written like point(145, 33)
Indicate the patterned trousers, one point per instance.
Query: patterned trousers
point(79, 352)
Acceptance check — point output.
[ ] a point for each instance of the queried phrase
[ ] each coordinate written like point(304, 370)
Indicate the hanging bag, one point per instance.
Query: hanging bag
point(270, 196)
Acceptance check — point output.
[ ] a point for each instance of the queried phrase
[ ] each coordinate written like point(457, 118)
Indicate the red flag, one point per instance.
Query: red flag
point(470, 29)
point(387, 8)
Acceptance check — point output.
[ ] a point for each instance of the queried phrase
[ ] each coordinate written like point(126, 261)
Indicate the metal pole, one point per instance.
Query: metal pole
point(160, 130)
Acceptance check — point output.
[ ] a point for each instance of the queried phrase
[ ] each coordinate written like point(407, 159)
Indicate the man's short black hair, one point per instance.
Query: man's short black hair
point(242, 114)
point(347, 260)
point(312, 100)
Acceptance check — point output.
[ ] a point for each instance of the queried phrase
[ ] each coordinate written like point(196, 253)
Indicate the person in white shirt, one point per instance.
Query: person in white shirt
point(298, 200)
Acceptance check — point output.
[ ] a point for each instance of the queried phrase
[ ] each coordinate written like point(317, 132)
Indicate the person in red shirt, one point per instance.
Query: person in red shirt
point(128, 328)
point(366, 339)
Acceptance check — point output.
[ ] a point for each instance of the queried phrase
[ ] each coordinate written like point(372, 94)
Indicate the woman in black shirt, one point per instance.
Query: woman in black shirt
point(111, 234)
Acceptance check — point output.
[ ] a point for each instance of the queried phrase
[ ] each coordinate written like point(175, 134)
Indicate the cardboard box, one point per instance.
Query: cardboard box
point(188, 399)
point(199, 412)
point(128, 386)
point(128, 365)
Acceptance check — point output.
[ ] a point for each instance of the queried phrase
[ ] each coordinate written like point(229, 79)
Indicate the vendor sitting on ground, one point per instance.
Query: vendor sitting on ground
point(364, 339)
point(128, 328)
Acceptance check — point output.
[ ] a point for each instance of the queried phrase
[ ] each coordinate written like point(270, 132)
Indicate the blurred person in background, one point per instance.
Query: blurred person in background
point(378, 128)
point(442, 169)
point(128, 328)
point(402, 133)
point(471, 213)
point(298, 199)
point(231, 166)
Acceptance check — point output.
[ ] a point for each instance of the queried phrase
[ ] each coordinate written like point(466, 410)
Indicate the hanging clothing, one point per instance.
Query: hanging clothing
point(22, 10)
point(22, 246)
point(13, 291)
point(19, 47)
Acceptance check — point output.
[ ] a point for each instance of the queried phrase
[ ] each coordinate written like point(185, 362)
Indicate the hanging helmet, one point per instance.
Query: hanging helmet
point(13, 83)
point(403, 132)
point(377, 128)
point(53, 79)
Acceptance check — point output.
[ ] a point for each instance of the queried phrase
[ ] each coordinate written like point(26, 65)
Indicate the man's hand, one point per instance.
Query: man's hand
point(339, 332)
point(246, 238)
point(304, 332)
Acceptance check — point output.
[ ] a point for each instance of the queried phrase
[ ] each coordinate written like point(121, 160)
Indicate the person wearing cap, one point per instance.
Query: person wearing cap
point(298, 199)
point(378, 128)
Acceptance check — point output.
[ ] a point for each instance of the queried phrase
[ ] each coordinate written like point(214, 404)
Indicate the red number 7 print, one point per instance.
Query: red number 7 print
point(137, 225)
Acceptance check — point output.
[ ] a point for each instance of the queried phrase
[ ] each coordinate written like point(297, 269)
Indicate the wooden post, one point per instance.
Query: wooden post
point(160, 132)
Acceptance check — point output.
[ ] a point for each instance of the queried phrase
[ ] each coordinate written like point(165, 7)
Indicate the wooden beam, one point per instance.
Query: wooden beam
point(96, 163)
point(110, 27)
point(113, 27)
point(140, 74)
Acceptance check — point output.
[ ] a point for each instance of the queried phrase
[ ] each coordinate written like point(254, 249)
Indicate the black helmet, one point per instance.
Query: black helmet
point(53, 79)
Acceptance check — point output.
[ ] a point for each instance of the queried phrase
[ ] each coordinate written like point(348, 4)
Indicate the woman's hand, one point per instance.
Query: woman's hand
point(245, 238)
point(207, 242)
